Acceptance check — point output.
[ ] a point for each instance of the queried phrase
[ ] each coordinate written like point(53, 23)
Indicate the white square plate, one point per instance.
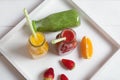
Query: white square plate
point(13, 46)
point(110, 71)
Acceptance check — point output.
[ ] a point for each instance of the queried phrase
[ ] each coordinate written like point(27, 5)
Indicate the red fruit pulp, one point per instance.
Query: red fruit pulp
point(69, 64)
point(63, 77)
point(69, 34)
point(49, 73)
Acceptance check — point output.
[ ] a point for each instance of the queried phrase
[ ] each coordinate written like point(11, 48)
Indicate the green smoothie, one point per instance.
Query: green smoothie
point(57, 21)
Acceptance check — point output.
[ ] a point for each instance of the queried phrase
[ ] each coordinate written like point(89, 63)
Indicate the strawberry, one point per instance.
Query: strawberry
point(69, 64)
point(49, 74)
point(63, 77)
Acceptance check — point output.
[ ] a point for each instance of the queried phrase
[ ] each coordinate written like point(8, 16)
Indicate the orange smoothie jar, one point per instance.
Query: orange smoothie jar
point(37, 46)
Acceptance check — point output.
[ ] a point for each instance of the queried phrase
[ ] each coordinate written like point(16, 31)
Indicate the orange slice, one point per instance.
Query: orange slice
point(86, 48)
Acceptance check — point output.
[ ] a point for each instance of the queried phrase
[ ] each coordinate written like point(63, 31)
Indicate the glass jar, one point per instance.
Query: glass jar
point(39, 46)
point(64, 47)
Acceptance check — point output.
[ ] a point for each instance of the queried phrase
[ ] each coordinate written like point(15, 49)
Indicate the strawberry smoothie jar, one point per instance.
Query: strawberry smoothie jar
point(64, 47)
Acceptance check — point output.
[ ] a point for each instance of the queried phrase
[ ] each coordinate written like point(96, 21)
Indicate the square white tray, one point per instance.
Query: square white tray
point(13, 45)
point(110, 70)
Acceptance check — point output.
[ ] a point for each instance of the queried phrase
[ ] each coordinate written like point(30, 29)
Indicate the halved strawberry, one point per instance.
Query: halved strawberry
point(63, 77)
point(69, 64)
point(49, 74)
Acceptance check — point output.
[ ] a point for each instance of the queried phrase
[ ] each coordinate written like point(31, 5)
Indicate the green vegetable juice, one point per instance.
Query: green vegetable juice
point(57, 21)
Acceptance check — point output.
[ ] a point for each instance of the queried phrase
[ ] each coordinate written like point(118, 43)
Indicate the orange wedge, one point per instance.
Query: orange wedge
point(86, 48)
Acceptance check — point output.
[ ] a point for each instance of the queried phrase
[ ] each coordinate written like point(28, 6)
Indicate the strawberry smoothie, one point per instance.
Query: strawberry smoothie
point(64, 47)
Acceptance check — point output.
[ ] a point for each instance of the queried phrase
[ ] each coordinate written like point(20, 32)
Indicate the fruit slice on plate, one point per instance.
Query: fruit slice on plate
point(63, 77)
point(68, 64)
point(86, 48)
point(49, 74)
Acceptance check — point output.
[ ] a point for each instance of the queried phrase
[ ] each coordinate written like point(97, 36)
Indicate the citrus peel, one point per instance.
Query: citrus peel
point(86, 48)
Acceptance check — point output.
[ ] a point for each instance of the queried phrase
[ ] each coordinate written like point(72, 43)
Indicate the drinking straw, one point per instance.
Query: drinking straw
point(58, 40)
point(29, 22)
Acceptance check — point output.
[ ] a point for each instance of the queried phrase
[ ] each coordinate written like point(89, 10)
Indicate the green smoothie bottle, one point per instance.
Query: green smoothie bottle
point(57, 21)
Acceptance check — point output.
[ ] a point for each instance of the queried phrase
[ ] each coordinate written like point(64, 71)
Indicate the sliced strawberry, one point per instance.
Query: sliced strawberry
point(69, 64)
point(63, 77)
point(49, 74)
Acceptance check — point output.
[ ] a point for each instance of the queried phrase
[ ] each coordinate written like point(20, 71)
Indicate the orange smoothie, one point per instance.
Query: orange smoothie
point(37, 45)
